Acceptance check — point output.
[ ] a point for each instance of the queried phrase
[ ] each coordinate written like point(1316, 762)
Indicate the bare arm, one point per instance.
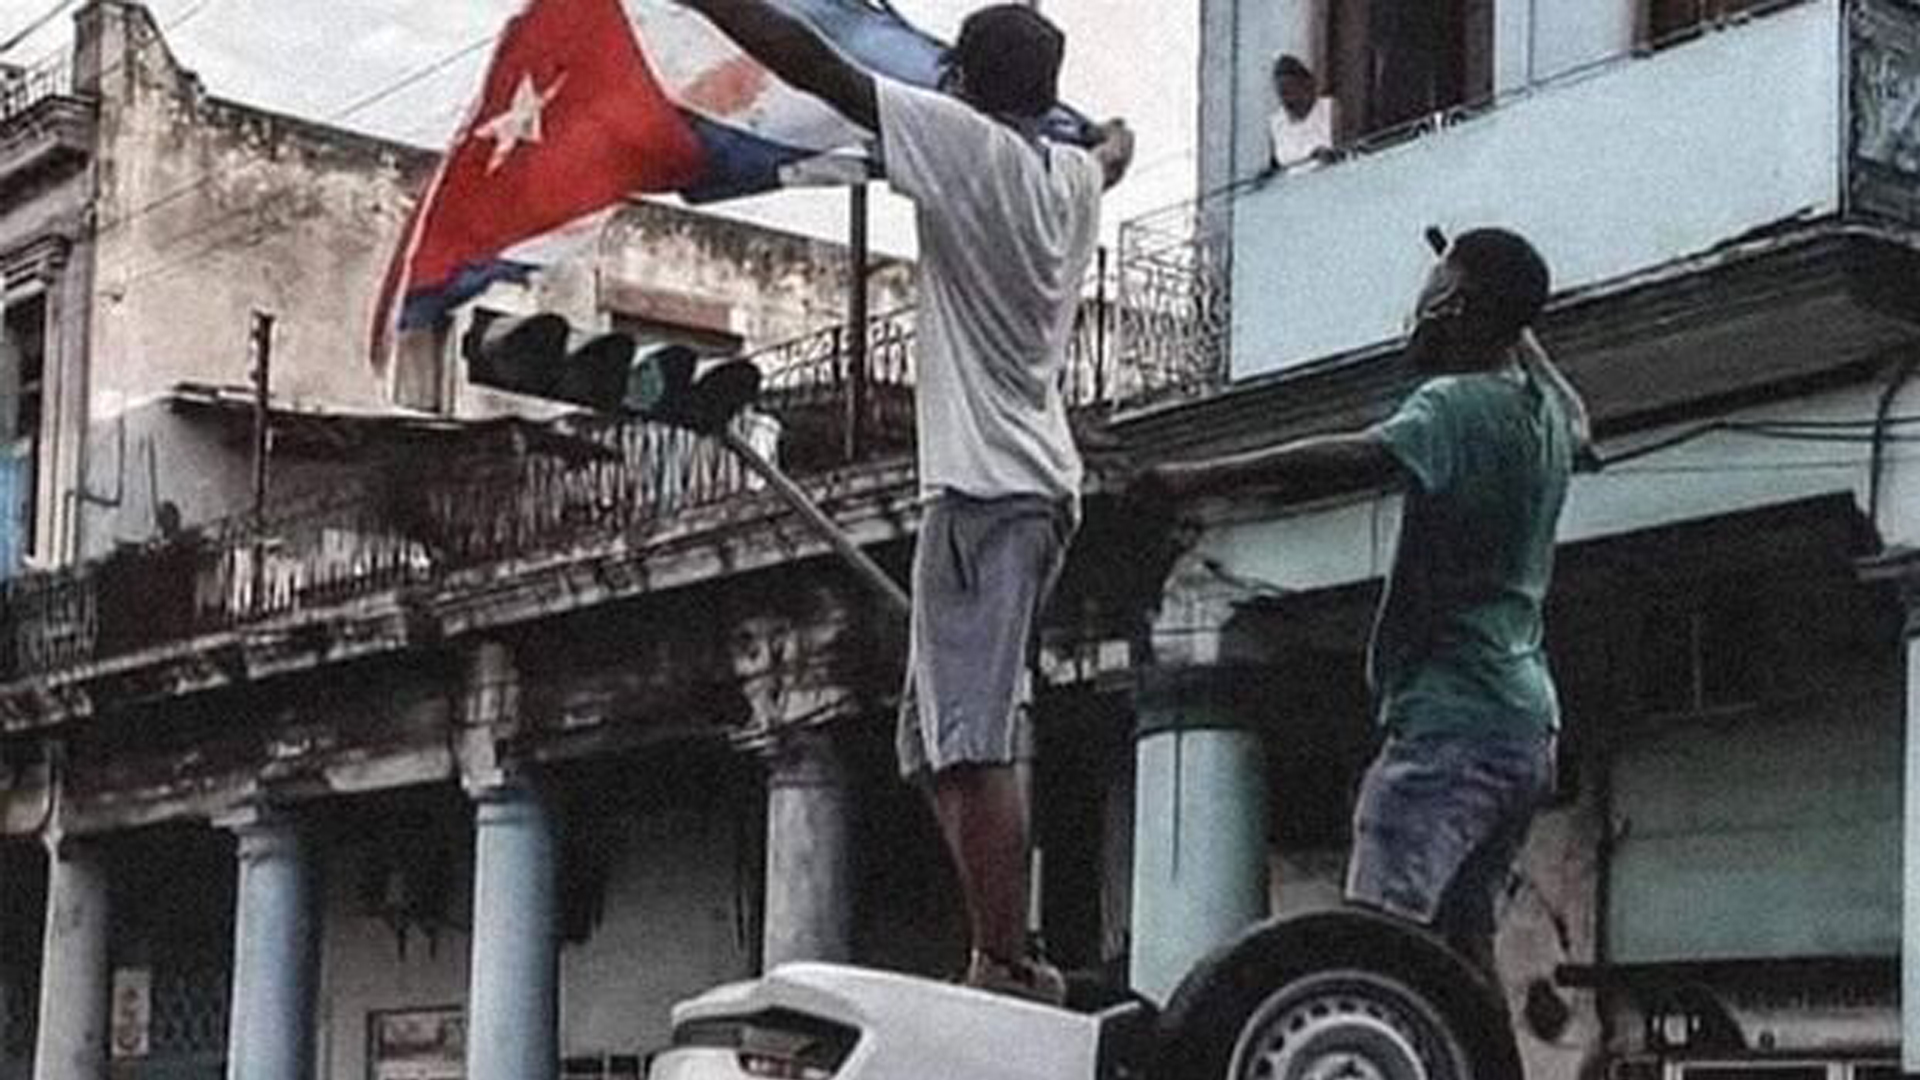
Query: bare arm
point(1322, 462)
point(1534, 357)
point(1114, 151)
point(792, 50)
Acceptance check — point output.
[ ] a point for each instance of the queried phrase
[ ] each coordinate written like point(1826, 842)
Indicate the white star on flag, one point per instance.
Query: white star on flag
point(519, 122)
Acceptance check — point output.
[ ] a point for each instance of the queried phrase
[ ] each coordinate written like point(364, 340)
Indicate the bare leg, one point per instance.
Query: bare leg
point(983, 815)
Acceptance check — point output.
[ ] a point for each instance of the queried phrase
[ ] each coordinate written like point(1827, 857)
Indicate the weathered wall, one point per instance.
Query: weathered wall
point(365, 967)
point(209, 210)
point(679, 918)
point(149, 455)
point(666, 886)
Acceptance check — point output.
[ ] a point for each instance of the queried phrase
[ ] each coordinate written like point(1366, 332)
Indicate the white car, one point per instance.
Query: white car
point(1344, 995)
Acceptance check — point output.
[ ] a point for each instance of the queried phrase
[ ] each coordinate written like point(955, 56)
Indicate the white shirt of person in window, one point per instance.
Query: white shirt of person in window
point(1302, 126)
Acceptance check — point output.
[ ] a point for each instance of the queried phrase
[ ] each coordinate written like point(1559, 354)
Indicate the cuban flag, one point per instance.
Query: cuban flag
point(589, 102)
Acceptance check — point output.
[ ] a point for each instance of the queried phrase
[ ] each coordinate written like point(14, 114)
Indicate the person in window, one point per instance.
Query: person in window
point(1484, 449)
point(1007, 222)
point(1302, 127)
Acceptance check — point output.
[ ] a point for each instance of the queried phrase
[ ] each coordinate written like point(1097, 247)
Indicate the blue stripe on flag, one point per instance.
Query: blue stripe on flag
point(427, 307)
point(738, 162)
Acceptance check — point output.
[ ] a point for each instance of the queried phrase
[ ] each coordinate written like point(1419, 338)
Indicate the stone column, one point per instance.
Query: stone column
point(809, 903)
point(513, 1025)
point(1200, 787)
point(513, 980)
point(275, 950)
point(1200, 824)
point(74, 975)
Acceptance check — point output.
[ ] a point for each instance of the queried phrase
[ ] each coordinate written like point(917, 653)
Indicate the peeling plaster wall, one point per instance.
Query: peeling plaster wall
point(362, 968)
point(779, 285)
point(678, 920)
point(209, 210)
point(671, 924)
point(147, 455)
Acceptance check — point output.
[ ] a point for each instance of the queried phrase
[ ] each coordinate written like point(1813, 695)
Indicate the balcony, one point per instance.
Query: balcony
point(44, 126)
point(453, 525)
point(1799, 112)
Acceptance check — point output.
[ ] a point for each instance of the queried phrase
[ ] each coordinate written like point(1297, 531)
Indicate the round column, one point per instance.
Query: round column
point(809, 901)
point(513, 1027)
point(270, 1036)
point(71, 1043)
point(1200, 824)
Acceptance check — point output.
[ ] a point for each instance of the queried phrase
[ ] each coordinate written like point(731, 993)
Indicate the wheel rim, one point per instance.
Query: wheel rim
point(1347, 1025)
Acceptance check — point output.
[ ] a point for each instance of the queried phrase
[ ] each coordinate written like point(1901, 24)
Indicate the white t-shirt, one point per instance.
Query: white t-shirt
point(1007, 233)
point(1296, 141)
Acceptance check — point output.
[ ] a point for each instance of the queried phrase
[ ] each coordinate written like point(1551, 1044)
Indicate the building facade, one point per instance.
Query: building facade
point(491, 733)
point(1725, 193)
point(264, 810)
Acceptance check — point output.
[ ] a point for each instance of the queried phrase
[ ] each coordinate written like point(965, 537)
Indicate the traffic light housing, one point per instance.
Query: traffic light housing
point(543, 356)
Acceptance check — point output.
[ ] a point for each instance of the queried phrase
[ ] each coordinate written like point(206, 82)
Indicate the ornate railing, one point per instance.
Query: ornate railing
point(1174, 318)
point(409, 526)
point(23, 88)
point(419, 523)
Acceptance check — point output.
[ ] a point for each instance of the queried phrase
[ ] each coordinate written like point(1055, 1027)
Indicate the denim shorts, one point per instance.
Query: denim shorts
point(982, 572)
point(1440, 822)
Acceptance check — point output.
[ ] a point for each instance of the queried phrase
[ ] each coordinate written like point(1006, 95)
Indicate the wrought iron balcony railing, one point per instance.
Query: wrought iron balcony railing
point(423, 527)
point(23, 88)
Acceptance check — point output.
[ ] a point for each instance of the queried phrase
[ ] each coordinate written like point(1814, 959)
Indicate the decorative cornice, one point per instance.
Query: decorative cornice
point(39, 260)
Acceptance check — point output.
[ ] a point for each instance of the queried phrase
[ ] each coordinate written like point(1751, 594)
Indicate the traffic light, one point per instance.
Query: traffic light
point(543, 356)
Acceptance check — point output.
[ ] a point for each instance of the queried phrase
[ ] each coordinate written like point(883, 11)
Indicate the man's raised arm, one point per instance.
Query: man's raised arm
point(1309, 466)
point(801, 57)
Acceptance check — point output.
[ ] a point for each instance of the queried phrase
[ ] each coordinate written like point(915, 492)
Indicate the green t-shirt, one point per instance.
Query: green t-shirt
point(1457, 643)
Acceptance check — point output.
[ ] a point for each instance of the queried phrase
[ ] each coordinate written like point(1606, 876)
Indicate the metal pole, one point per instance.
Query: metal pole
point(858, 332)
point(262, 341)
point(1100, 314)
point(833, 534)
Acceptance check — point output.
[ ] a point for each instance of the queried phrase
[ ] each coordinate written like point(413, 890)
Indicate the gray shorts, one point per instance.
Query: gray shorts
point(982, 571)
point(1440, 821)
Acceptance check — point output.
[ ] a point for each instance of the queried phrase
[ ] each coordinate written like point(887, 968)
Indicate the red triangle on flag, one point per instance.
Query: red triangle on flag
point(572, 121)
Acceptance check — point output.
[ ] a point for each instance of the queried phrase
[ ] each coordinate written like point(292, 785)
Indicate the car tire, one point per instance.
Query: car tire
point(1344, 995)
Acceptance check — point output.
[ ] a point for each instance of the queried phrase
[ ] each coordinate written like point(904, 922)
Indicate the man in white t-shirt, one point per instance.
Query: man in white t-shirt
point(1008, 223)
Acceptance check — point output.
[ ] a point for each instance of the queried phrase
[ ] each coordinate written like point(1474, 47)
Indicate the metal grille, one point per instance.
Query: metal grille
point(1175, 312)
point(189, 1011)
point(601, 1067)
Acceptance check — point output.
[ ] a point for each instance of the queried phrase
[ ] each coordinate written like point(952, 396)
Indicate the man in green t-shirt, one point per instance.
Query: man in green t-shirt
point(1484, 448)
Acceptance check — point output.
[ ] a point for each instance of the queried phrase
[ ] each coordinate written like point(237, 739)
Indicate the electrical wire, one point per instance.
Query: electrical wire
point(250, 236)
point(1884, 422)
point(33, 27)
point(1823, 431)
point(1732, 469)
point(411, 79)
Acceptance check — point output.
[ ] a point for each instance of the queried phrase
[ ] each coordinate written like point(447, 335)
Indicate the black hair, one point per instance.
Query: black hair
point(1011, 57)
point(1289, 64)
point(1507, 281)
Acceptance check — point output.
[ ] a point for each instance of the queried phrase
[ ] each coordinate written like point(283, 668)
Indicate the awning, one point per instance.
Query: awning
point(320, 433)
